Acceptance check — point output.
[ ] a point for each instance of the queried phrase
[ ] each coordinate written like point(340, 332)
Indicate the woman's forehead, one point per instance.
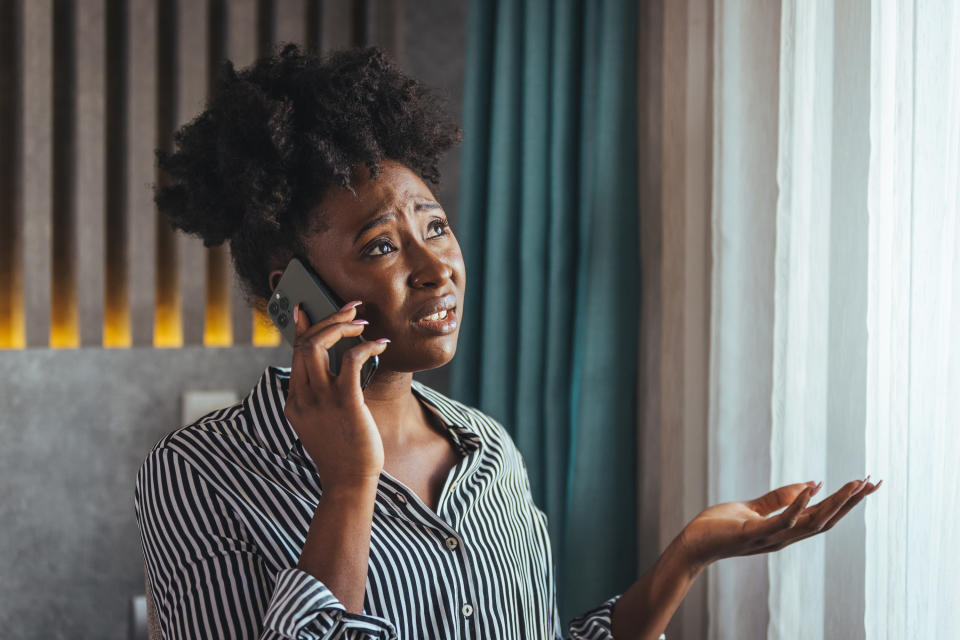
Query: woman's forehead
point(395, 187)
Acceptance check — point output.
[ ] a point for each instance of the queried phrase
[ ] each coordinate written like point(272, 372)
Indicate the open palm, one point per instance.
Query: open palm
point(744, 528)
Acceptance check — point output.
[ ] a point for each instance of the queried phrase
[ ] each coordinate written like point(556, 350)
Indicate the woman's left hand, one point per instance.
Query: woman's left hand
point(743, 528)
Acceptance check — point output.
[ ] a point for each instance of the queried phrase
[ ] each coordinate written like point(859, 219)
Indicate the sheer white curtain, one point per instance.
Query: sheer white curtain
point(835, 309)
point(913, 319)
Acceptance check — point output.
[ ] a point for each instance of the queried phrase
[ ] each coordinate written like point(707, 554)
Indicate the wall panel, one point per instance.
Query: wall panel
point(92, 413)
point(242, 50)
point(141, 141)
point(37, 167)
point(290, 21)
point(12, 330)
point(89, 159)
point(91, 89)
point(192, 64)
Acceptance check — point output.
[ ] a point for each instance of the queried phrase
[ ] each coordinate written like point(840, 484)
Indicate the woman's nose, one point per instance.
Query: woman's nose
point(430, 269)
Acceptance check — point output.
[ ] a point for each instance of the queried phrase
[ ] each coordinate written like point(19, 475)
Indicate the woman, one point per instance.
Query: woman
point(315, 508)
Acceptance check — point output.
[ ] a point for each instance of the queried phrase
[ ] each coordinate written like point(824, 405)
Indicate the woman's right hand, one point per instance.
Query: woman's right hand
point(328, 411)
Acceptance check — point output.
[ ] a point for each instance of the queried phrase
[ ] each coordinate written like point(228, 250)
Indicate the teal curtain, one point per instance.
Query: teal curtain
point(548, 225)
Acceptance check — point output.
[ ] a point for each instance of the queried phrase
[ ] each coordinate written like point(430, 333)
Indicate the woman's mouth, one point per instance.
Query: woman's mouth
point(439, 323)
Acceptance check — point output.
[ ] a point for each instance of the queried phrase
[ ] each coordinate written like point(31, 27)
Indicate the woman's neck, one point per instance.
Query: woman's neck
point(394, 408)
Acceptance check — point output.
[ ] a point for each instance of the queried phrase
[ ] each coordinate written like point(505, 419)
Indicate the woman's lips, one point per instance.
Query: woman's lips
point(443, 324)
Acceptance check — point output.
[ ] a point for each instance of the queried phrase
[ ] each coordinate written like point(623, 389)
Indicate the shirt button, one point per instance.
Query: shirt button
point(466, 610)
point(452, 544)
point(402, 499)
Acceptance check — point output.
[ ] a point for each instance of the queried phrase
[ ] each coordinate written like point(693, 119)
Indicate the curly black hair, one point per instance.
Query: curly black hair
point(276, 135)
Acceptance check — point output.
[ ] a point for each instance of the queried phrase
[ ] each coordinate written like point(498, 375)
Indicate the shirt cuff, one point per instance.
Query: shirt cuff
point(303, 608)
point(597, 623)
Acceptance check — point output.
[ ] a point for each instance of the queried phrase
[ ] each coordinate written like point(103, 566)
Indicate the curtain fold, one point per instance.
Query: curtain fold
point(548, 226)
point(864, 370)
point(913, 410)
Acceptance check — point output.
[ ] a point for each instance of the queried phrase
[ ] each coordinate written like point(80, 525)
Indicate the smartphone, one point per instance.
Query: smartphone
point(301, 285)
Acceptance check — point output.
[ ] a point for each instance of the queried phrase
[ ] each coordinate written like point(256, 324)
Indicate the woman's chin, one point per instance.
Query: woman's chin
point(421, 358)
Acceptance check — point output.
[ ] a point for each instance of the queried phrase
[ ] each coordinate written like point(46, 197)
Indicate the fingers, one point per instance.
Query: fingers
point(776, 499)
point(299, 376)
point(353, 361)
point(816, 517)
point(821, 517)
point(346, 313)
point(311, 365)
point(790, 515)
point(866, 489)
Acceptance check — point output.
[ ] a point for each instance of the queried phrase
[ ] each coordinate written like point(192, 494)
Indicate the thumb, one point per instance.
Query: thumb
point(779, 498)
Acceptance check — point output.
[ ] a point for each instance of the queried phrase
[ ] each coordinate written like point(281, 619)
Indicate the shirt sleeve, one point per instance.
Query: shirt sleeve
point(596, 624)
point(207, 577)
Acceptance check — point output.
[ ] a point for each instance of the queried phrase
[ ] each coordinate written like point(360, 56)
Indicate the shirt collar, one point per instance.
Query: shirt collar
point(264, 404)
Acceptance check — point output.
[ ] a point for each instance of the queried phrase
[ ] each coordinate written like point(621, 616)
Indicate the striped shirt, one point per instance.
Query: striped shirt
point(224, 505)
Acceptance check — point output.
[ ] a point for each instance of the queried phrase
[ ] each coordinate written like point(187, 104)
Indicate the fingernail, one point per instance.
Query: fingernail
point(351, 305)
point(863, 483)
point(361, 321)
point(817, 488)
point(382, 340)
point(296, 308)
point(867, 479)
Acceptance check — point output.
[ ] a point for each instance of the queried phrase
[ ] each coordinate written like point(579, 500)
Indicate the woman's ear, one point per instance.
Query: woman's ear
point(275, 278)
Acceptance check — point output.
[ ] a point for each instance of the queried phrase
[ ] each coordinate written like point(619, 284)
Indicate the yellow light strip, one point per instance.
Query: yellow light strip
point(218, 325)
point(265, 334)
point(13, 333)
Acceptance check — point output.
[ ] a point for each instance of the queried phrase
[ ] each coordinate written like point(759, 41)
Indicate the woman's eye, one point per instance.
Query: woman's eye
point(379, 249)
point(439, 226)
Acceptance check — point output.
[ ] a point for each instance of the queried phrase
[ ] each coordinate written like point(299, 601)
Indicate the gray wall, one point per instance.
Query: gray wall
point(75, 424)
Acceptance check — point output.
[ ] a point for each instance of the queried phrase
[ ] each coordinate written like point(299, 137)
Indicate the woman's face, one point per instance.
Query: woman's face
point(390, 247)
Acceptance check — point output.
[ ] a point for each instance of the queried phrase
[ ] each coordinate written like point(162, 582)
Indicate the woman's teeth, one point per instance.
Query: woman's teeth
point(440, 315)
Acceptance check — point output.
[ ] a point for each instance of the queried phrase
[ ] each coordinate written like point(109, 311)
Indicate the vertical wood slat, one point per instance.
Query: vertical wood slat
point(12, 326)
point(64, 323)
point(360, 23)
point(314, 26)
point(290, 22)
point(385, 27)
point(37, 113)
point(141, 138)
point(287, 22)
point(89, 159)
point(192, 62)
point(337, 24)
point(216, 316)
point(167, 325)
point(242, 50)
point(265, 27)
point(116, 308)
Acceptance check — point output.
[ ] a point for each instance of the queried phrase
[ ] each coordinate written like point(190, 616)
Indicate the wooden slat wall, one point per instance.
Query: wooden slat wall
point(242, 49)
point(90, 89)
point(192, 53)
point(141, 142)
point(89, 187)
point(37, 168)
point(12, 330)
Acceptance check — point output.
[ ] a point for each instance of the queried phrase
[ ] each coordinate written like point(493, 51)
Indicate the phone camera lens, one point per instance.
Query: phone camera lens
point(284, 303)
point(282, 320)
point(274, 308)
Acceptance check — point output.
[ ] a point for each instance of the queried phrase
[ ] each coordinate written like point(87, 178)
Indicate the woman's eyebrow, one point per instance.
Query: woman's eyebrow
point(419, 207)
point(374, 223)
